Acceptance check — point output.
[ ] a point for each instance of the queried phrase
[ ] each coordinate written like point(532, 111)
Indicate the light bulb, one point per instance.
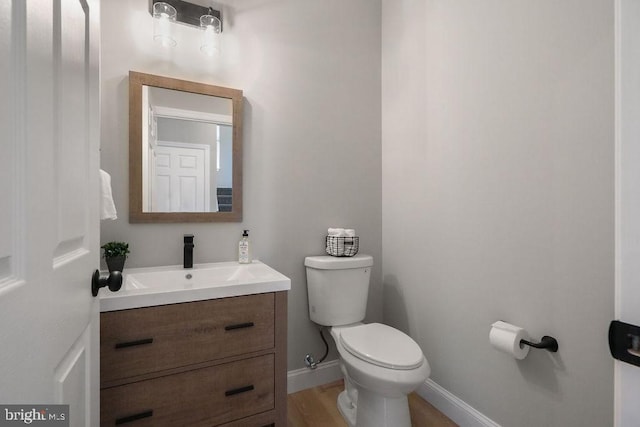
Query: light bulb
point(211, 27)
point(164, 16)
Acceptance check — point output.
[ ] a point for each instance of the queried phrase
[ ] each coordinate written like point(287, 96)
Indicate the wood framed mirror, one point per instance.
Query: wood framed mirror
point(185, 151)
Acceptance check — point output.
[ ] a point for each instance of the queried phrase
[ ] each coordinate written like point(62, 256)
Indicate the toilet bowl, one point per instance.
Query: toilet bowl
point(379, 374)
point(381, 365)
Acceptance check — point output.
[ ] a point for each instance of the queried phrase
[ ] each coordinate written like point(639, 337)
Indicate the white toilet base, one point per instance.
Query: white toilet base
point(374, 410)
point(347, 410)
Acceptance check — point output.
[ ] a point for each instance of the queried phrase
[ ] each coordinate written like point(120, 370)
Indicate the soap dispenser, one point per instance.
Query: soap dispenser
point(244, 249)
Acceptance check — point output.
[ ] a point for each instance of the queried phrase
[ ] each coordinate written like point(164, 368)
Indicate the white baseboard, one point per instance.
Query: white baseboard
point(453, 407)
point(305, 378)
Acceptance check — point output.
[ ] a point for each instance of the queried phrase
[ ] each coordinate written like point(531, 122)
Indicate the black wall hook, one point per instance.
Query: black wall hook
point(548, 343)
point(113, 281)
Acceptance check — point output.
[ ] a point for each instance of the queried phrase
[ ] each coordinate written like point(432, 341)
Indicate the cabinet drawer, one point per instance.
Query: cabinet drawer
point(202, 397)
point(145, 340)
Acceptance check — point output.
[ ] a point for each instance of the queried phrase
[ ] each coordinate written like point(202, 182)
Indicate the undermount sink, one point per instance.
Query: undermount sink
point(144, 287)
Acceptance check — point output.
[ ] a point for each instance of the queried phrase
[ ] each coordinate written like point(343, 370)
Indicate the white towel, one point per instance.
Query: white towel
point(349, 232)
point(335, 247)
point(107, 207)
point(336, 232)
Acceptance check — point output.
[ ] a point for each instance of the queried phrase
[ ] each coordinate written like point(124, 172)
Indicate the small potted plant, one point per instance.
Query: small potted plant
point(115, 253)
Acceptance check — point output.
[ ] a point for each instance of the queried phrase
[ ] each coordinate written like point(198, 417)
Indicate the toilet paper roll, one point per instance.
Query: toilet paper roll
point(506, 337)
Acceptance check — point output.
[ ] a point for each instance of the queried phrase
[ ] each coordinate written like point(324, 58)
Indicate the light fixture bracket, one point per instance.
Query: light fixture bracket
point(188, 13)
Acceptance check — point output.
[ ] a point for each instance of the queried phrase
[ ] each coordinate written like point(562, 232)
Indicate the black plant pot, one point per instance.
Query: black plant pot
point(115, 263)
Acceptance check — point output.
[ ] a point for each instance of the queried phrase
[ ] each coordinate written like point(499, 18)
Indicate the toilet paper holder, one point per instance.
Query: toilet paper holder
point(548, 343)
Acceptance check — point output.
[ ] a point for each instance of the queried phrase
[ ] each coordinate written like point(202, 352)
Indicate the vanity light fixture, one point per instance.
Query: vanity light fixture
point(164, 15)
point(206, 19)
point(211, 26)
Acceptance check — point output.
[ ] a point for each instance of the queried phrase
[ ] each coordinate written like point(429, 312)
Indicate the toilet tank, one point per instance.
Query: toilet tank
point(338, 288)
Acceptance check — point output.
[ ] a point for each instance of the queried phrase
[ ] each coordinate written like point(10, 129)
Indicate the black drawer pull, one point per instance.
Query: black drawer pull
point(238, 326)
point(238, 390)
point(134, 343)
point(135, 417)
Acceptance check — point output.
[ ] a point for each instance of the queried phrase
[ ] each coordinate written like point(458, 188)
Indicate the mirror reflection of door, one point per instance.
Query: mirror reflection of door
point(187, 152)
point(181, 178)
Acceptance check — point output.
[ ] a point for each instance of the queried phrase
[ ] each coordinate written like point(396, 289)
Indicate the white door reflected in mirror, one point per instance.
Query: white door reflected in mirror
point(187, 152)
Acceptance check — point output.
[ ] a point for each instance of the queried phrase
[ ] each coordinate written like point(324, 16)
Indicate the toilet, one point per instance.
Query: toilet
point(381, 365)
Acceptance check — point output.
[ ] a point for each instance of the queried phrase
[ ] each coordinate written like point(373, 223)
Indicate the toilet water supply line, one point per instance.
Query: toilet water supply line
point(309, 360)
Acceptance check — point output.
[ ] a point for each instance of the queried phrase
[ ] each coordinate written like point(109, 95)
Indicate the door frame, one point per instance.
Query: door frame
point(627, 199)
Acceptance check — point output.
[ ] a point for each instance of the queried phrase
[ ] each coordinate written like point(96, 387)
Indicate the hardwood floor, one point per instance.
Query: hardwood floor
point(316, 407)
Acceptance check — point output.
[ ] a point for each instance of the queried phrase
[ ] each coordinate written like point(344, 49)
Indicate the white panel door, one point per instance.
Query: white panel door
point(49, 215)
point(181, 182)
point(627, 376)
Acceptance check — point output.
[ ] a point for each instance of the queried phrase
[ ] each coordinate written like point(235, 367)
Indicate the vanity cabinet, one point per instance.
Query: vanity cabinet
point(218, 362)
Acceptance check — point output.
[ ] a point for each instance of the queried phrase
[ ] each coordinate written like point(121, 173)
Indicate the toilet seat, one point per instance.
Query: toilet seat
point(382, 345)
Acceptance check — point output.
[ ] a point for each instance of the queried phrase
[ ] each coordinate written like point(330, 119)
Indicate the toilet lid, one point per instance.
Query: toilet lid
point(382, 345)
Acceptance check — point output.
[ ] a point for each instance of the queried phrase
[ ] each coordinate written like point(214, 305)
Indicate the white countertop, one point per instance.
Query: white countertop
point(145, 287)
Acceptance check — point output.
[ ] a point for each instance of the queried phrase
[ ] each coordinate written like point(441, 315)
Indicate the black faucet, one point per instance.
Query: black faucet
point(188, 251)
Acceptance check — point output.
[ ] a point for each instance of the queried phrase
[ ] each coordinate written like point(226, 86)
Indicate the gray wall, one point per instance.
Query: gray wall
point(311, 81)
point(224, 176)
point(179, 130)
point(498, 198)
